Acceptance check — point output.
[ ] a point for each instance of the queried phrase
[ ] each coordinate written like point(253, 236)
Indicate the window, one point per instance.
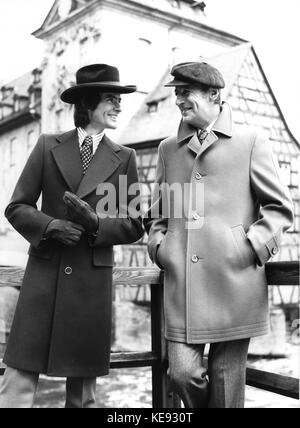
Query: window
point(144, 42)
point(60, 46)
point(285, 168)
point(12, 152)
point(297, 216)
point(153, 107)
point(83, 49)
point(175, 54)
point(144, 76)
point(31, 140)
point(59, 119)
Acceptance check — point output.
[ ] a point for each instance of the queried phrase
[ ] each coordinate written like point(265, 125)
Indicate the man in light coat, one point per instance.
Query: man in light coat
point(235, 210)
point(62, 324)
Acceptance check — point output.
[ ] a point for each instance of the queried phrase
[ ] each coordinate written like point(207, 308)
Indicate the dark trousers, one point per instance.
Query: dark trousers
point(222, 385)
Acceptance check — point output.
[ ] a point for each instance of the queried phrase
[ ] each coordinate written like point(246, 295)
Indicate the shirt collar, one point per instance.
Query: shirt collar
point(82, 134)
point(209, 128)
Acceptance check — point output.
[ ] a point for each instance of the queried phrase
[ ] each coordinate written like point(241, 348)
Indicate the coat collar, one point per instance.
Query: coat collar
point(67, 156)
point(223, 126)
point(224, 123)
point(104, 163)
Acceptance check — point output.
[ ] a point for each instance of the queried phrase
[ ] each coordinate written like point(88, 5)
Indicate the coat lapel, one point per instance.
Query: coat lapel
point(224, 123)
point(222, 126)
point(103, 165)
point(194, 144)
point(209, 141)
point(68, 160)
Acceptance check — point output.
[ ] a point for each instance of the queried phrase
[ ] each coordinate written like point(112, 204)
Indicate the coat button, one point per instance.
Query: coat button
point(196, 216)
point(195, 259)
point(199, 176)
point(274, 251)
point(68, 271)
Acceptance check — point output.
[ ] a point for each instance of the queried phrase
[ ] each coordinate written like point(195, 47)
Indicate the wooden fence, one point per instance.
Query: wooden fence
point(280, 273)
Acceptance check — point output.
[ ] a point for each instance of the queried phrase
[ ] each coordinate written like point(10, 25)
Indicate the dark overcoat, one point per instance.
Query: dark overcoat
point(62, 324)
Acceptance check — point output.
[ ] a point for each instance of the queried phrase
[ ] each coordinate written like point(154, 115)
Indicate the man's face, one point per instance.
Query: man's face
point(195, 106)
point(105, 116)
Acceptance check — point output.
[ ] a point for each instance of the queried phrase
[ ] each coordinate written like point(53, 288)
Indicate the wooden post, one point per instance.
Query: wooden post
point(160, 388)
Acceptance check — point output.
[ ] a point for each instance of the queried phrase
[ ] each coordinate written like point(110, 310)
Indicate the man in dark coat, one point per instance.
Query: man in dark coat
point(62, 324)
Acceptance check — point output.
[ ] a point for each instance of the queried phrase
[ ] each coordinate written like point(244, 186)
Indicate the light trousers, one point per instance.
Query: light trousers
point(18, 391)
point(221, 385)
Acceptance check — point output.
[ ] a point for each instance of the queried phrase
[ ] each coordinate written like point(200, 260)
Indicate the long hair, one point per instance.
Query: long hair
point(89, 101)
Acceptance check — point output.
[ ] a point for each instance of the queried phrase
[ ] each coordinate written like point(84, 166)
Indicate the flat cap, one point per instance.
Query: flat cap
point(195, 73)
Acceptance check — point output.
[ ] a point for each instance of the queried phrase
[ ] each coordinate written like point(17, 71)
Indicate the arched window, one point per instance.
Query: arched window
point(31, 141)
point(144, 56)
point(175, 55)
point(12, 152)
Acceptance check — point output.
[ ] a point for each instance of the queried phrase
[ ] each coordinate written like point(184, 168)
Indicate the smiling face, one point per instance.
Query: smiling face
point(105, 115)
point(198, 108)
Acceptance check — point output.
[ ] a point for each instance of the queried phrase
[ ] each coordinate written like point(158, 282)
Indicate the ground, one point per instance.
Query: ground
point(131, 388)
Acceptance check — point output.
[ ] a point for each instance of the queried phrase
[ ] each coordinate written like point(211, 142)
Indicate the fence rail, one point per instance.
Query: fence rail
point(279, 273)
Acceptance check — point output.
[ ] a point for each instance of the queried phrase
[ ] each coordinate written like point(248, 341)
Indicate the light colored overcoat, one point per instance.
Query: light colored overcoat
point(62, 325)
point(236, 209)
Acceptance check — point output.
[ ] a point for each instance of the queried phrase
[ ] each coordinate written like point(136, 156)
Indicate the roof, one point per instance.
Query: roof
point(146, 126)
point(21, 84)
point(17, 107)
point(52, 16)
point(56, 19)
point(230, 64)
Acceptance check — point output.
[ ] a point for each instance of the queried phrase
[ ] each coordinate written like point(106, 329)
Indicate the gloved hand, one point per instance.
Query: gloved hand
point(81, 212)
point(64, 231)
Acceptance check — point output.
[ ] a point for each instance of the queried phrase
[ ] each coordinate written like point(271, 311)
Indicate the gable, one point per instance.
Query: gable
point(60, 11)
point(254, 103)
point(247, 91)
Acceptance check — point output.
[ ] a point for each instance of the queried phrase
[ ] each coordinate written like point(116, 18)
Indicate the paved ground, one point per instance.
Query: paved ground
point(132, 389)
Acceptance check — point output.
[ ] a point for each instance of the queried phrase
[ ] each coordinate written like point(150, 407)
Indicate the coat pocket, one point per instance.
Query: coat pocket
point(103, 256)
point(45, 252)
point(162, 255)
point(245, 252)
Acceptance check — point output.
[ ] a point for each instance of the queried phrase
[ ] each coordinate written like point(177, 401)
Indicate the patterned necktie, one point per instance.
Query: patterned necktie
point(86, 153)
point(202, 135)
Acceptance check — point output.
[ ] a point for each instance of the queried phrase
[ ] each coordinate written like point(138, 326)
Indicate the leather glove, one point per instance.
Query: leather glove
point(81, 212)
point(64, 231)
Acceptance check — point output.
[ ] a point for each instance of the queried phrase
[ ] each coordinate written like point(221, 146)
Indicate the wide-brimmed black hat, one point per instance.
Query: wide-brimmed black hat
point(98, 76)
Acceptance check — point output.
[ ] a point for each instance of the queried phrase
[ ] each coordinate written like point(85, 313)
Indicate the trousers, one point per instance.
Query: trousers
point(219, 385)
point(18, 391)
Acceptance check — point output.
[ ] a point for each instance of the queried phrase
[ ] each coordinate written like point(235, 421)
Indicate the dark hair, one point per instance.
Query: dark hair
point(88, 102)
